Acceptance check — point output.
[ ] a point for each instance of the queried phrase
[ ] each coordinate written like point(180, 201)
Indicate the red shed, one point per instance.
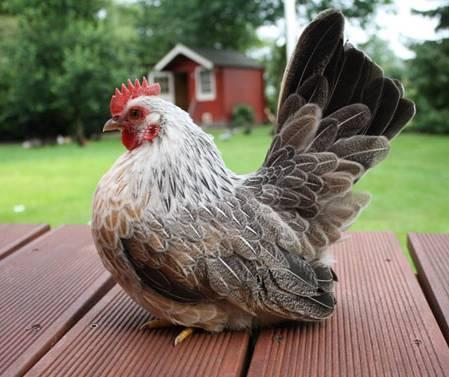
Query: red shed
point(209, 83)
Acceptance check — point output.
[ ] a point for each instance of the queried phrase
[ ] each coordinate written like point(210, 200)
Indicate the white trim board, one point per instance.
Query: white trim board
point(180, 49)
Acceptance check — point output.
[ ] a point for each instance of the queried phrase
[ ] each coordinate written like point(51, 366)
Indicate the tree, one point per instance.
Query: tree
point(359, 10)
point(441, 13)
point(63, 63)
point(215, 23)
point(8, 31)
point(274, 69)
point(429, 74)
point(64, 56)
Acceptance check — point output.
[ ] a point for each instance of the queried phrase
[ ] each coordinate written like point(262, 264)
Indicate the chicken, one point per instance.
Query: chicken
point(199, 246)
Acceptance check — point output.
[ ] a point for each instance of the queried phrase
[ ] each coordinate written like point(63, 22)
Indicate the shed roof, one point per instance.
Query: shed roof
point(227, 58)
point(209, 57)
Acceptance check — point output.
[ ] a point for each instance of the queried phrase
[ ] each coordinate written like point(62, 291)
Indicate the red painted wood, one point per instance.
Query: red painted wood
point(14, 236)
point(233, 86)
point(244, 86)
point(215, 107)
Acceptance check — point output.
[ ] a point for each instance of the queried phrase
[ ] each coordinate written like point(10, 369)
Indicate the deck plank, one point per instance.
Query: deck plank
point(108, 342)
point(14, 236)
point(430, 252)
point(383, 325)
point(45, 287)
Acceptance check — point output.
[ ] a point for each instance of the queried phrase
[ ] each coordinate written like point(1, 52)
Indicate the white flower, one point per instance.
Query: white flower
point(19, 208)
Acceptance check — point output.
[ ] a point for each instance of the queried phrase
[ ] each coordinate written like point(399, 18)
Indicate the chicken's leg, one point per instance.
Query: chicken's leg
point(162, 323)
point(183, 335)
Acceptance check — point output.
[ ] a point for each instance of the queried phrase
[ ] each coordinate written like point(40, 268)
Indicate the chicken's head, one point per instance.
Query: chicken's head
point(133, 114)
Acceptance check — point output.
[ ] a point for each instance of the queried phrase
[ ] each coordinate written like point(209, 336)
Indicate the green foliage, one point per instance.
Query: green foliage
point(274, 69)
point(361, 10)
point(90, 68)
point(441, 13)
point(215, 23)
point(429, 74)
point(8, 26)
point(62, 57)
point(62, 65)
point(243, 116)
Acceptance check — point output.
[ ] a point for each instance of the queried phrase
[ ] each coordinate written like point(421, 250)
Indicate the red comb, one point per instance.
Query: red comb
point(120, 98)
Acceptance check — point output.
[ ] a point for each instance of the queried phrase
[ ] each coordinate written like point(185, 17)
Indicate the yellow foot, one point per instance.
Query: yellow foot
point(183, 335)
point(156, 324)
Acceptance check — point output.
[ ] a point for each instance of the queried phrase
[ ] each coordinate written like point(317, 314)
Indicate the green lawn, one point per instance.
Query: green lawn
point(55, 184)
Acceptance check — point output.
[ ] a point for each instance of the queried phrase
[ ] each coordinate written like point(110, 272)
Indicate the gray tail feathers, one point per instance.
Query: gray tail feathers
point(336, 115)
point(339, 78)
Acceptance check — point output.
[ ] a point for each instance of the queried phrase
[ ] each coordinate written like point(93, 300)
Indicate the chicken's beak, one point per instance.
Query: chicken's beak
point(111, 125)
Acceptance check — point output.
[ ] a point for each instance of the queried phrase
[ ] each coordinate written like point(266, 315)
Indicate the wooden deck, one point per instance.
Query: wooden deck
point(62, 315)
point(430, 253)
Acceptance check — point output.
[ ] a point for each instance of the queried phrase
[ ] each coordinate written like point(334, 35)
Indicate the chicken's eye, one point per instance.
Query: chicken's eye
point(134, 114)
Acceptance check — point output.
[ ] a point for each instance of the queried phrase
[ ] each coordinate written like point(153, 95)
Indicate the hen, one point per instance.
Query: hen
point(197, 245)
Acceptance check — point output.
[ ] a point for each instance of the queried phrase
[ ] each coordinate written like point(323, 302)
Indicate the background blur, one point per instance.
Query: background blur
point(61, 59)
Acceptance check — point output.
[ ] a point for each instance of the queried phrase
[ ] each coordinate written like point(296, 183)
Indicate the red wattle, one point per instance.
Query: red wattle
point(129, 139)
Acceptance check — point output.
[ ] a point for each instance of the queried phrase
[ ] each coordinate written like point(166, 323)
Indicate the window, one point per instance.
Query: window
point(205, 84)
point(165, 81)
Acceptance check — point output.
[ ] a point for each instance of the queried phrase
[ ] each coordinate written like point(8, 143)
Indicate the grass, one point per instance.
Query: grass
point(55, 183)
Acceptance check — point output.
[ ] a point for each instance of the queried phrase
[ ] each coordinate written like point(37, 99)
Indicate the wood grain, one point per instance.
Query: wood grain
point(108, 341)
point(14, 236)
point(383, 325)
point(430, 252)
point(46, 286)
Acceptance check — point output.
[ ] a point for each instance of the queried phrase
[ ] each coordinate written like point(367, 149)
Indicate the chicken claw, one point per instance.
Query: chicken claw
point(156, 324)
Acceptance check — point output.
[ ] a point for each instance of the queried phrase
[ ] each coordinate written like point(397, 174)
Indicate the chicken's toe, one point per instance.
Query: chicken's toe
point(156, 324)
point(183, 335)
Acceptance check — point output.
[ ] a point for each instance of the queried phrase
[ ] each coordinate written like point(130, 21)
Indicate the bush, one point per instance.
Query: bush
point(429, 76)
point(243, 116)
point(428, 119)
point(60, 69)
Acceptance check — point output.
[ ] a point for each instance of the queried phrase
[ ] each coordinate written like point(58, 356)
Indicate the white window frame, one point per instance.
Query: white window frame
point(170, 96)
point(200, 95)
